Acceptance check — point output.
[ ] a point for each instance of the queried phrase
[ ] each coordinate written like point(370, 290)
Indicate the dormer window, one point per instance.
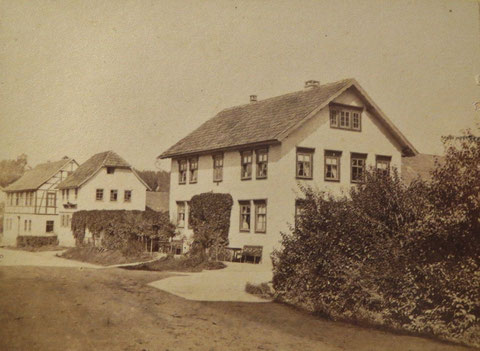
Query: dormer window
point(110, 170)
point(346, 117)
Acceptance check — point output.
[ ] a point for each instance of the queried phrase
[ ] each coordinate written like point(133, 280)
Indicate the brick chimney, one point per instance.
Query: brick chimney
point(311, 84)
point(253, 98)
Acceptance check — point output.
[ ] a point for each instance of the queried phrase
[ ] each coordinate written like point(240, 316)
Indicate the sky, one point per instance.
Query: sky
point(78, 77)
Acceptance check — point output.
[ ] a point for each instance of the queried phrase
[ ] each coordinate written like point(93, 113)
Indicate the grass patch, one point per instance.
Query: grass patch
point(182, 264)
point(102, 256)
point(263, 290)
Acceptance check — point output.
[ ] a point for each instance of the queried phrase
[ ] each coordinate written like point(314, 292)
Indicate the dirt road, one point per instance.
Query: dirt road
point(53, 308)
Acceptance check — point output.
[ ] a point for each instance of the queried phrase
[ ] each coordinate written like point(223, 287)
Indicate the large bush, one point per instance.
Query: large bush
point(121, 229)
point(391, 254)
point(210, 220)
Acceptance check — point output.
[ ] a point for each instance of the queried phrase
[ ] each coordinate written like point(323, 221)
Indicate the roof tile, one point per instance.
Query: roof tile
point(34, 178)
point(261, 121)
point(91, 166)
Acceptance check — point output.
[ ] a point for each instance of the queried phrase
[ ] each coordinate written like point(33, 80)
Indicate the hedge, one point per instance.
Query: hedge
point(36, 241)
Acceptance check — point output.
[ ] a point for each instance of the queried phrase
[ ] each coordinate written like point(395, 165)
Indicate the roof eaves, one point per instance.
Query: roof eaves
point(140, 179)
point(353, 82)
point(389, 124)
point(166, 154)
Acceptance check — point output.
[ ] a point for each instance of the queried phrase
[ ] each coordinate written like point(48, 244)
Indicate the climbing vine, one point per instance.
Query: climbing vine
point(210, 220)
point(119, 228)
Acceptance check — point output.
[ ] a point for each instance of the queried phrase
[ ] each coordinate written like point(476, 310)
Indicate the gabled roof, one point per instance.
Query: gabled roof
point(420, 165)
point(272, 120)
point(36, 177)
point(90, 167)
point(157, 201)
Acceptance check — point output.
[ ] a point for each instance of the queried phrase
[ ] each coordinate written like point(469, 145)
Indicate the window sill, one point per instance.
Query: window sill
point(265, 232)
point(332, 180)
point(304, 178)
point(246, 178)
point(260, 178)
point(347, 129)
point(192, 182)
point(244, 231)
point(357, 181)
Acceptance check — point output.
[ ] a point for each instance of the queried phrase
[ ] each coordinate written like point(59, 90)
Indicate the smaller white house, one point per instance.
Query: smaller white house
point(104, 182)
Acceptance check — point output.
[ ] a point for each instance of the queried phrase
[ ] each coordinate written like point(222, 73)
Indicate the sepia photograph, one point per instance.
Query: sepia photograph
point(227, 175)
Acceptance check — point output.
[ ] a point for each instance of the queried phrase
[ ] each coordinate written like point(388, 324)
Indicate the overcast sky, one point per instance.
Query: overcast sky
point(79, 77)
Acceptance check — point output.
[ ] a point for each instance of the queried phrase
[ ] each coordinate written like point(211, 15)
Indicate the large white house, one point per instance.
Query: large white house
point(104, 182)
point(259, 153)
point(31, 207)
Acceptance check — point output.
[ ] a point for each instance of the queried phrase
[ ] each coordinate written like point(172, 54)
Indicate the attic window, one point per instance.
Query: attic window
point(110, 170)
point(346, 117)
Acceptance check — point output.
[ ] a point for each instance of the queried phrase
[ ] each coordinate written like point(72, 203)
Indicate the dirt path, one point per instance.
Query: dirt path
point(38, 259)
point(52, 308)
point(226, 284)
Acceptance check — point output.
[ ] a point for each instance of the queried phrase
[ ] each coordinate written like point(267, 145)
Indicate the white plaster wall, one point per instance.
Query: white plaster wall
point(281, 187)
point(39, 224)
point(65, 234)
point(120, 180)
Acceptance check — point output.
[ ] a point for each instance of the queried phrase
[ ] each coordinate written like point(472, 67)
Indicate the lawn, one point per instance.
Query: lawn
point(112, 309)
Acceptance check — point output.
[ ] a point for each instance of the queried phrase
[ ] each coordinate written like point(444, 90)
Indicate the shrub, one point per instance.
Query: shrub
point(406, 257)
point(210, 220)
point(263, 290)
point(36, 241)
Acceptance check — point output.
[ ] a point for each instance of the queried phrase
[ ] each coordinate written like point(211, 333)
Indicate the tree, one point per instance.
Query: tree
point(11, 170)
point(156, 180)
point(453, 223)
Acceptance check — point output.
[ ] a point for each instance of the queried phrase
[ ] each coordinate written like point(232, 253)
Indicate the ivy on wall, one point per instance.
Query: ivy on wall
point(210, 220)
point(118, 228)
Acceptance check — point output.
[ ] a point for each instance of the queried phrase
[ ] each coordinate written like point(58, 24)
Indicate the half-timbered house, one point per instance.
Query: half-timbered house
point(31, 207)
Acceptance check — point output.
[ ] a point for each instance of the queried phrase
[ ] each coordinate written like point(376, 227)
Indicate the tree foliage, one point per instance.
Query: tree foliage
point(210, 220)
point(453, 220)
point(11, 170)
point(407, 257)
point(156, 180)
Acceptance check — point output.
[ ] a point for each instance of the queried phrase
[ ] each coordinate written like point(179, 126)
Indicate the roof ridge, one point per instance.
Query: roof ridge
point(285, 95)
point(41, 180)
point(107, 153)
